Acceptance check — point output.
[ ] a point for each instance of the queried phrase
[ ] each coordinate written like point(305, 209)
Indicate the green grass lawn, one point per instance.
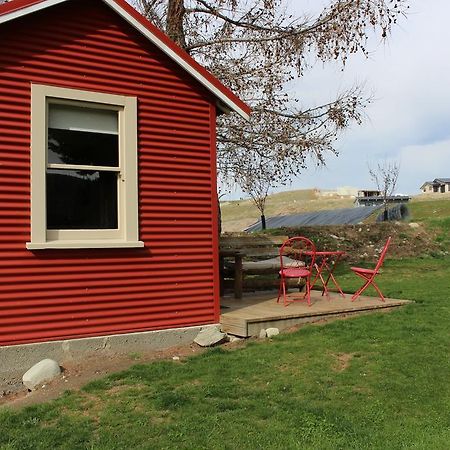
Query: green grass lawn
point(379, 381)
point(435, 214)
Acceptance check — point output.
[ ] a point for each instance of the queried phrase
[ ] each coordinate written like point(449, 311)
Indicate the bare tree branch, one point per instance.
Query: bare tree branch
point(255, 47)
point(385, 176)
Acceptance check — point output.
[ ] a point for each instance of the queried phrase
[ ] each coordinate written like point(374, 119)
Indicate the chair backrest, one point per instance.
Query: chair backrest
point(298, 249)
point(383, 254)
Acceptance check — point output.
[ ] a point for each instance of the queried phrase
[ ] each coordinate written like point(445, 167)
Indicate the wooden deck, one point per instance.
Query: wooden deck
point(249, 315)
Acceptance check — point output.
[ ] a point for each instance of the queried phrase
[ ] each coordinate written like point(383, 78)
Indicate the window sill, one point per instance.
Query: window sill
point(110, 243)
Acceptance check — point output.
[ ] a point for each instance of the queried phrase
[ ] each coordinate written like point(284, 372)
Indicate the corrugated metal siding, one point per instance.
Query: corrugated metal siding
point(172, 282)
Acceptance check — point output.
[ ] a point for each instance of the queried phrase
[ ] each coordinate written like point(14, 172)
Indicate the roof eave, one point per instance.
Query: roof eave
point(226, 100)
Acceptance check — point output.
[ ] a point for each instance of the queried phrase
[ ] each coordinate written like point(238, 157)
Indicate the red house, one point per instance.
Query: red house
point(108, 221)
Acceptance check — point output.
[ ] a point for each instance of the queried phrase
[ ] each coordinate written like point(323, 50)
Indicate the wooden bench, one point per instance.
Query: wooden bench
point(250, 255)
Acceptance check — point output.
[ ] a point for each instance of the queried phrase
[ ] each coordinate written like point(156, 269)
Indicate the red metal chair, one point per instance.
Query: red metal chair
point(297, 257)
point(369, 274)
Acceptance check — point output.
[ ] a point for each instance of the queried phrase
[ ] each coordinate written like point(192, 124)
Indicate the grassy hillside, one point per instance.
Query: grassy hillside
point(434, 213)
point(238, 215)
point(431, 212)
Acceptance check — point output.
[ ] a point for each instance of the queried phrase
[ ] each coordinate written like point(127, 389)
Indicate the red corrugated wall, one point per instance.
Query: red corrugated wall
point(172, 282)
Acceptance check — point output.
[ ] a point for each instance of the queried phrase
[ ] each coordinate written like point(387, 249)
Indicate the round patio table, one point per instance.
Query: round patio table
point(324, 265)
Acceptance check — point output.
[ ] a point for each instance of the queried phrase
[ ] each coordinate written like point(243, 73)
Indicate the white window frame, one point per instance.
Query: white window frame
point(127, 234)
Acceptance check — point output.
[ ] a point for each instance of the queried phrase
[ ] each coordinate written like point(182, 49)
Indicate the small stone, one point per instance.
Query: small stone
point(176, 358)
point(234, 338)
point(45, 370)
point(272, 332)
point(262, 334)
point(414, 225)
point(209, 337)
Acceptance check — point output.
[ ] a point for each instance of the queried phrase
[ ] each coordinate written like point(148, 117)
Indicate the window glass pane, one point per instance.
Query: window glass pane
point(76, 118)
point(81, 199)
point(82, 148)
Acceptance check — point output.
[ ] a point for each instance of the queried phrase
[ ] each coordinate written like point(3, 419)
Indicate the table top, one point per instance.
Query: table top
point(326, 253)
point(330, 252)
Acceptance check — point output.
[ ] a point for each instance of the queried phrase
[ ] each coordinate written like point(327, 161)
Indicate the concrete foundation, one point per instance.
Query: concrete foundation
point(15, 360)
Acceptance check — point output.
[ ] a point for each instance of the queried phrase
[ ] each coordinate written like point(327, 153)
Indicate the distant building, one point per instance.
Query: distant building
point(342, 191)
point(347, 191)
point(372, 197)
point(440, 185)
point(368, 193)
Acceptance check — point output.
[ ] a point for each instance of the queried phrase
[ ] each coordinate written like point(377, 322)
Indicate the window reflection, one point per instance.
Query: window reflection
point(82, 148)
point(81, 199)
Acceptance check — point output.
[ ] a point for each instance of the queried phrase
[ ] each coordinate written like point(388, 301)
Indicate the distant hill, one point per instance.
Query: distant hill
point(240, 214)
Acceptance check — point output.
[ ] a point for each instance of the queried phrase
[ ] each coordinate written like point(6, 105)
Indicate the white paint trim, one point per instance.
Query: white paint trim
point(94, 243)
point(81, 167)
point(28, 10)
point(127, 233)
point(222, 98)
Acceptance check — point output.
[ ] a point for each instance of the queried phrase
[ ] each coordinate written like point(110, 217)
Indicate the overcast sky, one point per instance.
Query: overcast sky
point(409, 121)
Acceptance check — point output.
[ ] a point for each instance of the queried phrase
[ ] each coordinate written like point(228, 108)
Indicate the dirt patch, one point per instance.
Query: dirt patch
point(77, 374)
point(365, 242)
point(342, 361)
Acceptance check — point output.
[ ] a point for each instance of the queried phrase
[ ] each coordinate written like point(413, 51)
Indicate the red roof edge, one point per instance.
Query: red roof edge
point(17, 5)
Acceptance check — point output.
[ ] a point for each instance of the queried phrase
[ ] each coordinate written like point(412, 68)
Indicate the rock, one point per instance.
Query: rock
point(234, 338)
point(209, 337)
point(176, 358)
point(414, 225)
point(272, 332)
point(262, 334)
point(45, 370)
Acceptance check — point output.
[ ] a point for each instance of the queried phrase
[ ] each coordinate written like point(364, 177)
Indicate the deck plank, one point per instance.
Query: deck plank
point(245, 317)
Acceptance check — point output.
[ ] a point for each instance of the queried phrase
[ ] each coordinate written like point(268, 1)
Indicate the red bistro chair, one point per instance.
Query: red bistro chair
point(369, 274)
point(297, 257)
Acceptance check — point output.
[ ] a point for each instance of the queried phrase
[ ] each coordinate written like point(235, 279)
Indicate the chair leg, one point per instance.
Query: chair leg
point(369, 281)
point(362, 288)
point(378, 290)
point(308, 292)
point(284, 292)
point(279, 290)
point(359, 291)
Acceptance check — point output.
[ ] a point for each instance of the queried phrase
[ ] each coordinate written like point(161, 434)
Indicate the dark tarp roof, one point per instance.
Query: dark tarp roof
point(345, 216)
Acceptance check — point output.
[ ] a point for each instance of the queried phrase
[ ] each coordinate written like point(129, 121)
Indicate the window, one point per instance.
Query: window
point(83, 169)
